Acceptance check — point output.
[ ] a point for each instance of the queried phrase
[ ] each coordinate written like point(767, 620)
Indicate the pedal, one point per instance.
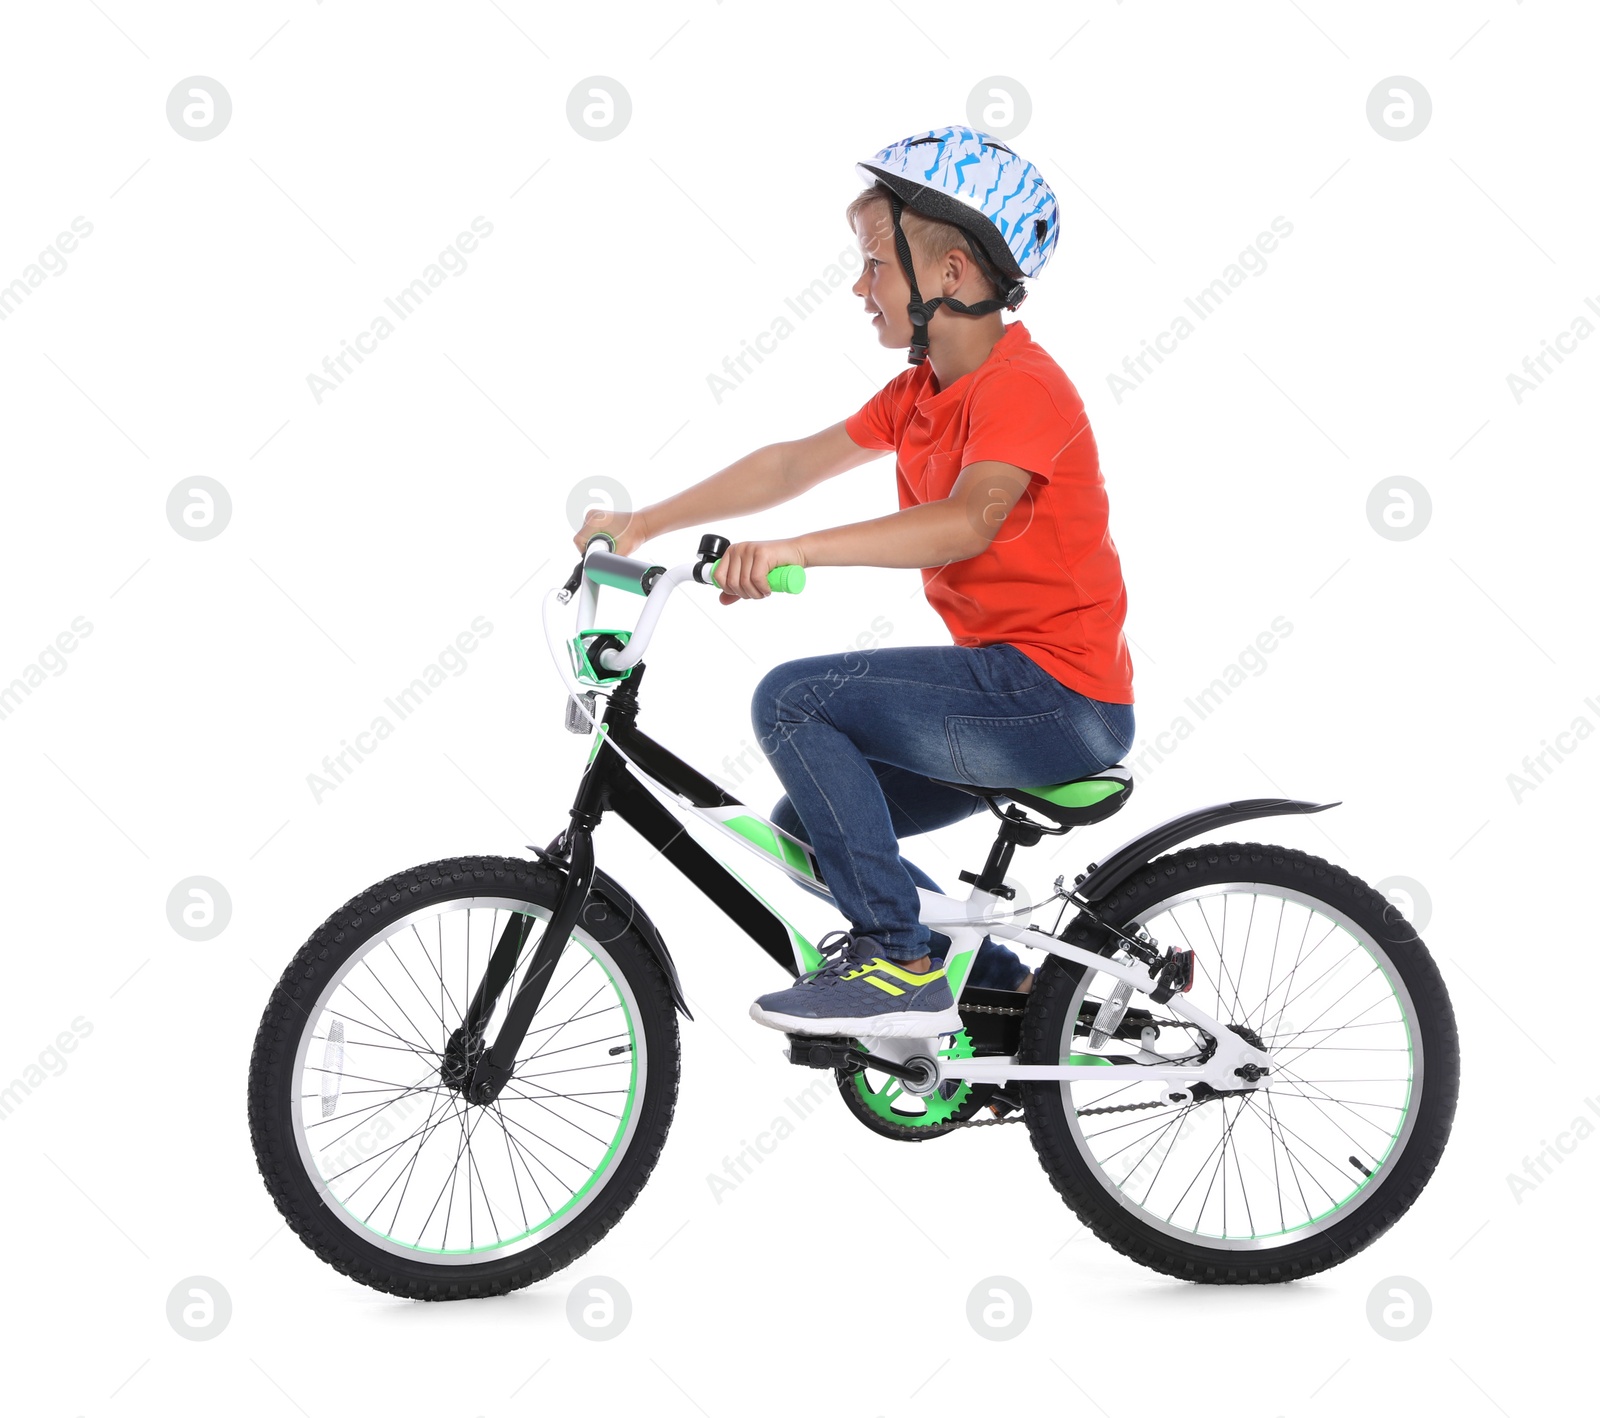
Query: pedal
point(1002, 1104)
point(819, 1051)
point(834, 1051)
point(1176, 975)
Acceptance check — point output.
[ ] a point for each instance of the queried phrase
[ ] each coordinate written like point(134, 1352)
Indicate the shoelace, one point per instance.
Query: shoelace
point(836, 957)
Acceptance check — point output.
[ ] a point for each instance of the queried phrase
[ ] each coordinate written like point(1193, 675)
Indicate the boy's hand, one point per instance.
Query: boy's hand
point(627, 529)
point(743, 571)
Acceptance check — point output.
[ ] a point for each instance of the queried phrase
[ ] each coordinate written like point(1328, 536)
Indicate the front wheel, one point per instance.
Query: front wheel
point(361, 1131)
point(1267, 1184)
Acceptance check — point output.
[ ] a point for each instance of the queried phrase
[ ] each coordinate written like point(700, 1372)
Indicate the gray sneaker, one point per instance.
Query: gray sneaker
point(858, 993)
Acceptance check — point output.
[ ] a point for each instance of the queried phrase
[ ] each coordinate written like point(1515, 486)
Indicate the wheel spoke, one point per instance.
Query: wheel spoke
point(1340, 1041)
point(400, 1155)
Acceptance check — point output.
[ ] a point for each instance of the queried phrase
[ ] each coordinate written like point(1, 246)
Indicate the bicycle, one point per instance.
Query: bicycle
point(467, 1074)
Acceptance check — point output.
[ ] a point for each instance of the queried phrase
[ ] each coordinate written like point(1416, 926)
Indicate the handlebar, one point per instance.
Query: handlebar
point(601, 566)
point(606, 568)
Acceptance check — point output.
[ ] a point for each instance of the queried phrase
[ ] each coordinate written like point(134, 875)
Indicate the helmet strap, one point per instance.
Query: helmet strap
point(921, 311)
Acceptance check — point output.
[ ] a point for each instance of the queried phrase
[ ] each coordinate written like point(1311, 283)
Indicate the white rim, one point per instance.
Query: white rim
point(521, 1187)
point(1278, 1154)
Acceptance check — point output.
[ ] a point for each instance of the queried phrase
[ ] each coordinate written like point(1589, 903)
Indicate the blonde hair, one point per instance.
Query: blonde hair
point(928, 237)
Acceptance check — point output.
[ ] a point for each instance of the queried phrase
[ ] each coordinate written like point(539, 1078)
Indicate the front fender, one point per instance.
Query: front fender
point(622, 905)
point(607, 892)
point(1107, 876)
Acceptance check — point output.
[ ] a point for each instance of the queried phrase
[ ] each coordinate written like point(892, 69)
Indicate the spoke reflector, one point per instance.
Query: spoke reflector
point(332, 1068)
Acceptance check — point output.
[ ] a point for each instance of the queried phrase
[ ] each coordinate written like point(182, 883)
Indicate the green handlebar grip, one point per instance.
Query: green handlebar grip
point(781, 578)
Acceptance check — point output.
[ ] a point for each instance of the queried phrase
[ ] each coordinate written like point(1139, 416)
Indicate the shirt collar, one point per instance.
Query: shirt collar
point(1015, 334)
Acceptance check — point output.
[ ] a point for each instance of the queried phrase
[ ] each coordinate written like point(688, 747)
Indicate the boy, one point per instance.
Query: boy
point(1003, 507)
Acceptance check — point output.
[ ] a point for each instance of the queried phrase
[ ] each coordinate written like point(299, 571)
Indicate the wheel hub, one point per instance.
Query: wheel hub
point(461, 1055)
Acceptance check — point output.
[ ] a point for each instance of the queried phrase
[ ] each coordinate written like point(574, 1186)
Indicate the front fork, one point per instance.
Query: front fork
point(481, 1073)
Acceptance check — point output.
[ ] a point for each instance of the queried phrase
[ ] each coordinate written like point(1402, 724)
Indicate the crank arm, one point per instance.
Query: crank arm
point(495, 1066)
point(827, 1051)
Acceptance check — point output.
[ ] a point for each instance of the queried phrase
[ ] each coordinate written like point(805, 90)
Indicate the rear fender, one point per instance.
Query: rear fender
point(1134, 855)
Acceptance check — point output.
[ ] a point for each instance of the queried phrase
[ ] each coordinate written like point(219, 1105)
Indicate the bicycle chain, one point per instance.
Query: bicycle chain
point(1118, 1108)
point(970, 1123)
point(1017, 1117)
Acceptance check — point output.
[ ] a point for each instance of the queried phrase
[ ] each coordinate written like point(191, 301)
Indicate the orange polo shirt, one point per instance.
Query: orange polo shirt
point(1050, 582)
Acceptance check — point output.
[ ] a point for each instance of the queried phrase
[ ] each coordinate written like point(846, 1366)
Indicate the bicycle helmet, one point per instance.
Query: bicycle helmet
point(976, 183)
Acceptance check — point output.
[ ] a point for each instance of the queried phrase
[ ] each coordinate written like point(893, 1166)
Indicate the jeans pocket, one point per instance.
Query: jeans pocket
point(1003, 752)
point(1007, 670)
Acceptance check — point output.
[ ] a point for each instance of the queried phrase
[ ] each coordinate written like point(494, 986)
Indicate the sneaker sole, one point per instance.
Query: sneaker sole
point(901, 1025)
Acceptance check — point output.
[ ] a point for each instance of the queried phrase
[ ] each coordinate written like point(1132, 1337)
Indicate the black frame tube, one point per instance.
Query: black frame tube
point(609, 785)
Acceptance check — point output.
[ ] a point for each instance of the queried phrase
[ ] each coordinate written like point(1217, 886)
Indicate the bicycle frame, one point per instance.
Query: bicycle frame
point(623, 768)
point(622, 751)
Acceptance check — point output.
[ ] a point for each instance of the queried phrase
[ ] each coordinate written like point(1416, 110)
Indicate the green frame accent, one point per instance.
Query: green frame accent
point(956, 968)
point(810, 957)
point(773, 842)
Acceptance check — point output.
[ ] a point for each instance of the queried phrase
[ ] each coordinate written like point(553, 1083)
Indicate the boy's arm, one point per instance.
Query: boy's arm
point(757, 481)
point(930, 534)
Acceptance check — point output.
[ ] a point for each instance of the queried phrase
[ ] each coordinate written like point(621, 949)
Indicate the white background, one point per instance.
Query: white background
point(369, 529)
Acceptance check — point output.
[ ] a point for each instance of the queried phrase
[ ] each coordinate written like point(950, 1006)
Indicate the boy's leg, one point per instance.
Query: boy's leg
point(918, 805)
point(981, 715)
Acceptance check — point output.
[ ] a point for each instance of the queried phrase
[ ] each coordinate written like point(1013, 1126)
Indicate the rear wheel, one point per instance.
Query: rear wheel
point(361, 1131)
point(1254, 1185)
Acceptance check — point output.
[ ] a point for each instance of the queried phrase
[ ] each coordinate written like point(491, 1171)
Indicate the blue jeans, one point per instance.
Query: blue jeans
point(855, 738)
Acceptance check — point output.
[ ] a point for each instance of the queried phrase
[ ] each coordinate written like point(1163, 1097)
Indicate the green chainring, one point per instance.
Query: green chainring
point(938, 1110)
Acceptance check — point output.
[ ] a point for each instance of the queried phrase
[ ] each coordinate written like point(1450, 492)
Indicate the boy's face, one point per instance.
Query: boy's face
point(882, 284)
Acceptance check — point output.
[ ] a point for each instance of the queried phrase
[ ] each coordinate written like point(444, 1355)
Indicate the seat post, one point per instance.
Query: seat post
point(1015, 831)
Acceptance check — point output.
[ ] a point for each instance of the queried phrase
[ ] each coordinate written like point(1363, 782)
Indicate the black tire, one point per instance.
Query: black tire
point(1394, 1184)
point(275, 1086)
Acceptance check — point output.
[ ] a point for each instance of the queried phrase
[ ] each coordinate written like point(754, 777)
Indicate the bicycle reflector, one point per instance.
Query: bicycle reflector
point(332, 1067)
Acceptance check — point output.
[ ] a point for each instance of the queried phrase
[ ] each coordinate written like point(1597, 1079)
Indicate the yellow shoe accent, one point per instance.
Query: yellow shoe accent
point(866, 974)
point(890, 968)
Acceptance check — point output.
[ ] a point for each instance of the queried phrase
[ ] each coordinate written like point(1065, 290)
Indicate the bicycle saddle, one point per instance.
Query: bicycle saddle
point(1072, 804)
